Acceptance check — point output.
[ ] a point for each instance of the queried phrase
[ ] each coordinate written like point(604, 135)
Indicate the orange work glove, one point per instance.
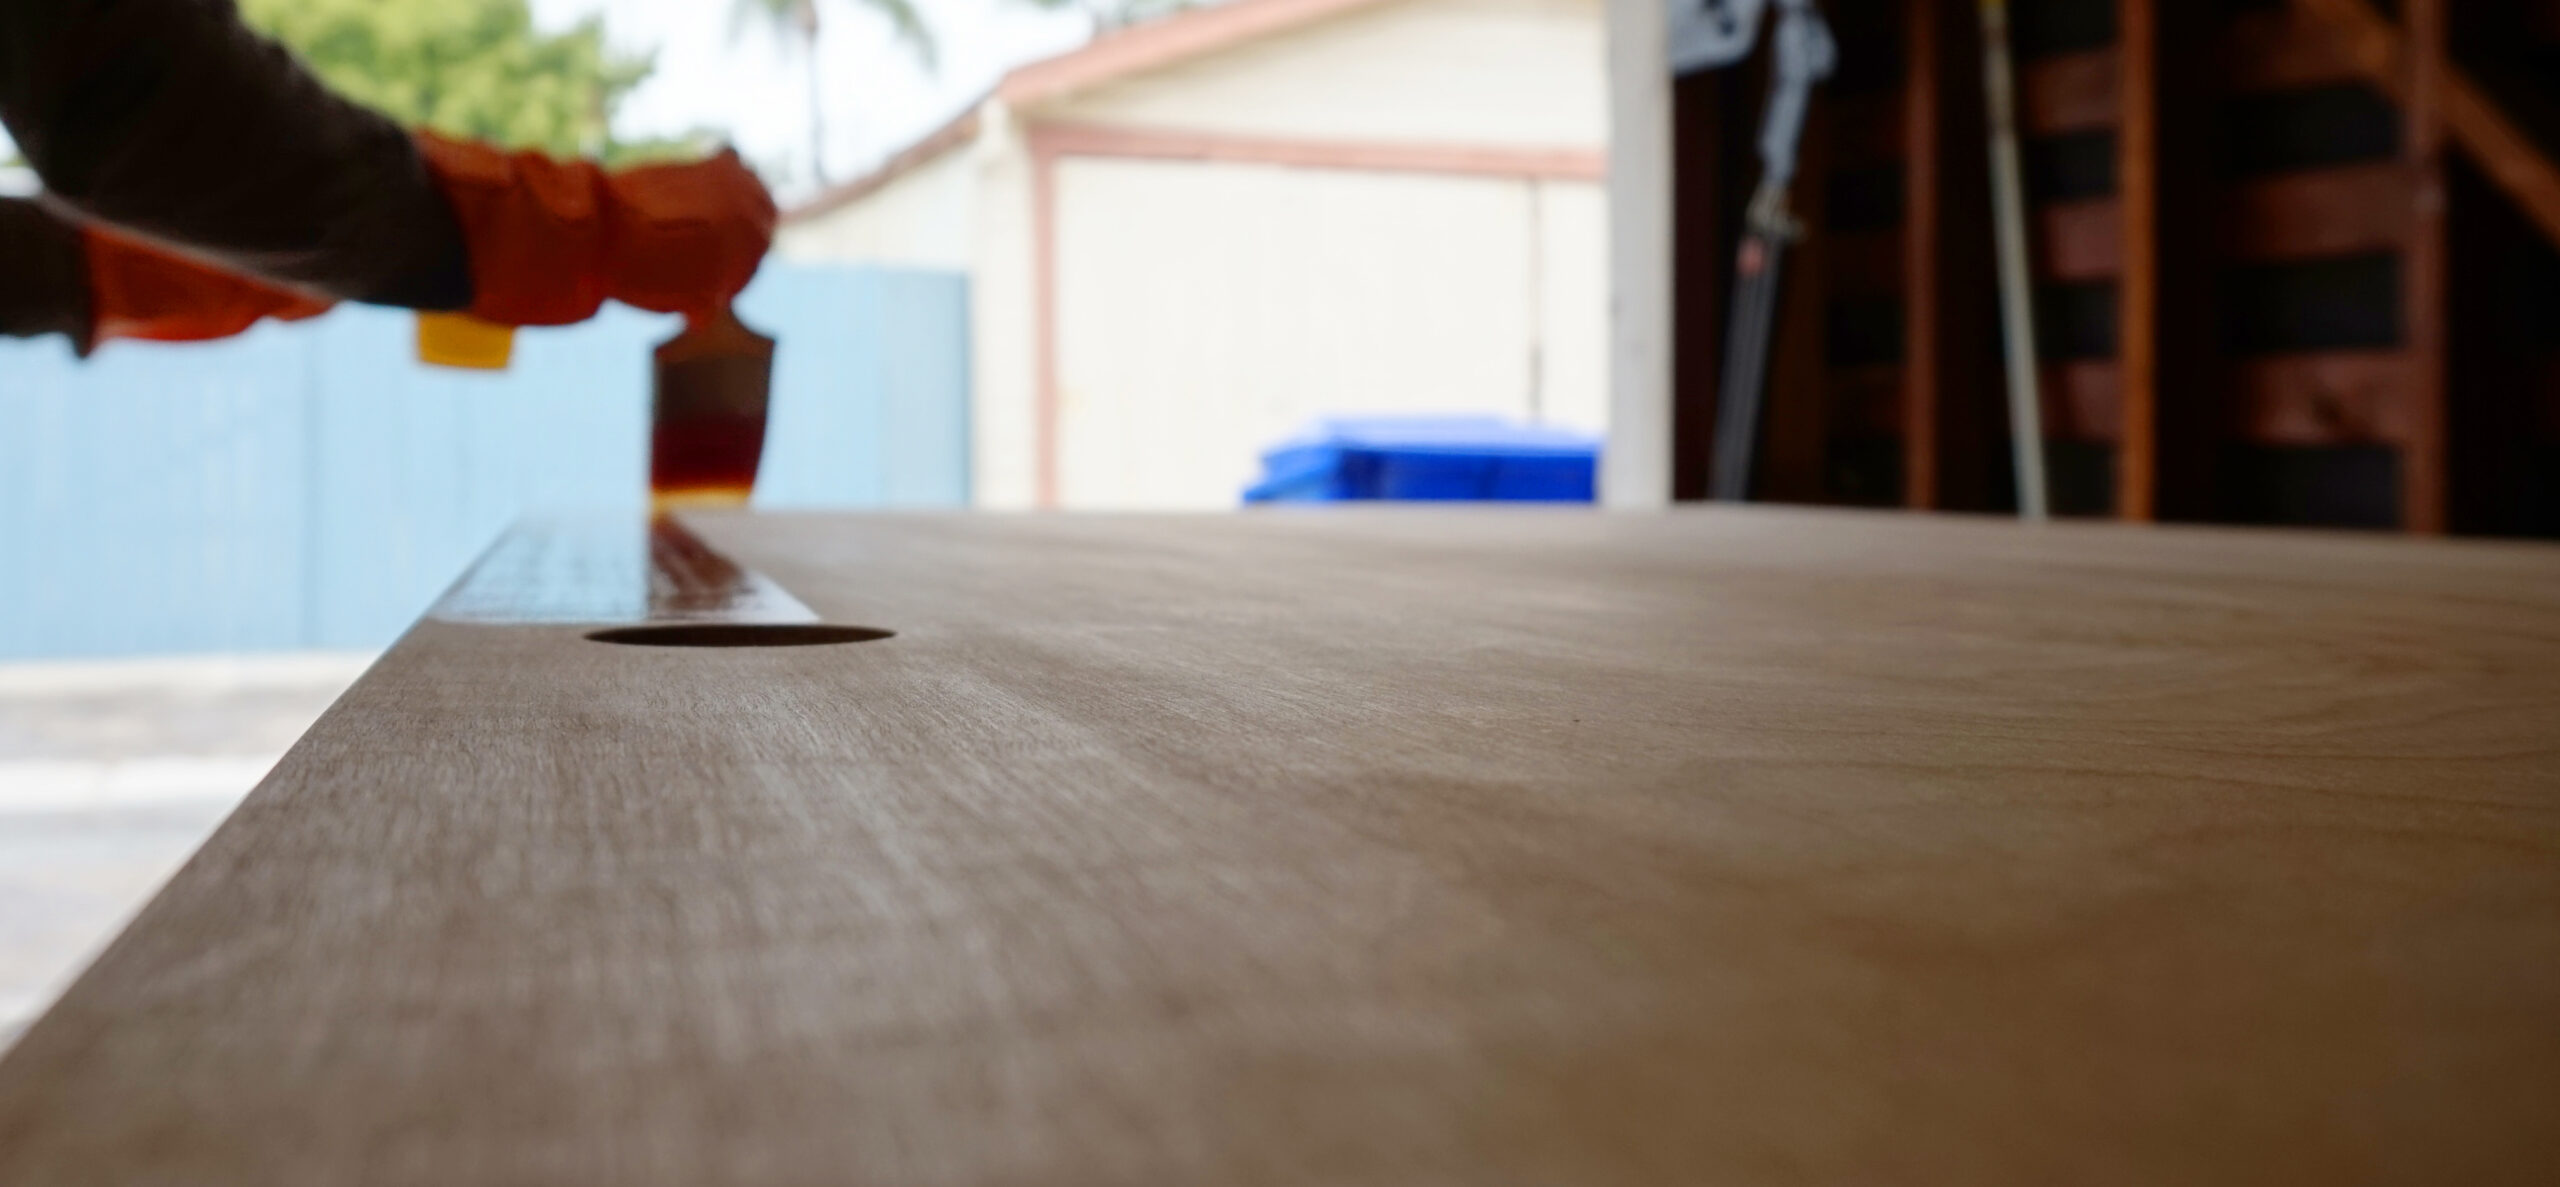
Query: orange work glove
point(551, 240)
point(140, 291)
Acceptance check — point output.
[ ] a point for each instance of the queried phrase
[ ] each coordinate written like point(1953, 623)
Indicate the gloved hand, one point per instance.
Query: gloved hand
point(551, 240)
point(140, 291)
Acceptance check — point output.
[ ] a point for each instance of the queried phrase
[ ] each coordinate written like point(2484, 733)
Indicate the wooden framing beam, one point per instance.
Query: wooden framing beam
point(2313, 399)
point(2472, 120)
point(2138, 278)
point(1921, 246)
point(2423, 291)
point(2346, 210)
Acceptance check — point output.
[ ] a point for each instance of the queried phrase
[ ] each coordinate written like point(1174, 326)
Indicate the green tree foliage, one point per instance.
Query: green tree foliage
point(470, 68)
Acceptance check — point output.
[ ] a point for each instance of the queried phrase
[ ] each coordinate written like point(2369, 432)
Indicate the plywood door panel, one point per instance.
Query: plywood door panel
point(1414, 848)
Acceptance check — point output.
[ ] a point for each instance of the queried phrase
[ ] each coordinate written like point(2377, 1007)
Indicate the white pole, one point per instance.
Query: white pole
point(1635, 471)
point(2017, 298)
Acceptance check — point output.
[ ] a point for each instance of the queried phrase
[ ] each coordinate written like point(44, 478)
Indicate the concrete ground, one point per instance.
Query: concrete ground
point(111, 773)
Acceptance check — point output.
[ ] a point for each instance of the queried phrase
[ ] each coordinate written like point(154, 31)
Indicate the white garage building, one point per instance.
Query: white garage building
point(1187, 239)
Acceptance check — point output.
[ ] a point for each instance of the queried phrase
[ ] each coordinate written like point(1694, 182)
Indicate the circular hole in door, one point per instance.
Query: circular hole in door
point(737, 634)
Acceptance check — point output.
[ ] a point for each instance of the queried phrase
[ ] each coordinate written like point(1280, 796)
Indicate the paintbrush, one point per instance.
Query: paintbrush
point(712, 385)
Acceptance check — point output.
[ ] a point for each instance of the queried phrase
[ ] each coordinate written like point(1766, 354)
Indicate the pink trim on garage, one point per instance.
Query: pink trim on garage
point(1109, 58)
point(1160, 43)
point(1360, 156)
point(1044, 321)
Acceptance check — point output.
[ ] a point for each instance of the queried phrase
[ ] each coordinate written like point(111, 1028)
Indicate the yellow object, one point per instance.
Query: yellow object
point(461, 340)
point(662, 502)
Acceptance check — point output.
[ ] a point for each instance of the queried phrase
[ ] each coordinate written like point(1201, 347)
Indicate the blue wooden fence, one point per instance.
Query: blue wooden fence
point(314, 486)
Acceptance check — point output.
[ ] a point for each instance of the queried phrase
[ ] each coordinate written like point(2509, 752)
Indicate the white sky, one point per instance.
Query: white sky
point(878, 97)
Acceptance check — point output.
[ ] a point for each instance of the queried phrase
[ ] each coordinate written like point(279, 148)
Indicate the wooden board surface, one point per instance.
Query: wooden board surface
point(1397, 848)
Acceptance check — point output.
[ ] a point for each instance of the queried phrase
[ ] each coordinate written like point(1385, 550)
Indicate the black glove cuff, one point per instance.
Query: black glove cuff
point(44, 275)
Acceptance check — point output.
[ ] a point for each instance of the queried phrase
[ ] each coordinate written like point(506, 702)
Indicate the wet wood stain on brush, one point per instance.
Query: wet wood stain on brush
point(713, 385)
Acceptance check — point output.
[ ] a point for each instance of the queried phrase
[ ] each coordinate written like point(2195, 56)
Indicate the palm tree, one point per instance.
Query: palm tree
point(797, 21)
point(1110, 15)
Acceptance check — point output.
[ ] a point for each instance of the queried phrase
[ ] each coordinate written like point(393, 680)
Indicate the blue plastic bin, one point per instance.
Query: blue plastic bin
point(1429, 458)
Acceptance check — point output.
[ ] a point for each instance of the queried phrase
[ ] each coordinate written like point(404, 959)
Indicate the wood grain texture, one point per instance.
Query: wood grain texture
point(1736, 845)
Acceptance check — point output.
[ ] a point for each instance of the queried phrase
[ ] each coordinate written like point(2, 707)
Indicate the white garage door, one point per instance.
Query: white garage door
point(1206, 311)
